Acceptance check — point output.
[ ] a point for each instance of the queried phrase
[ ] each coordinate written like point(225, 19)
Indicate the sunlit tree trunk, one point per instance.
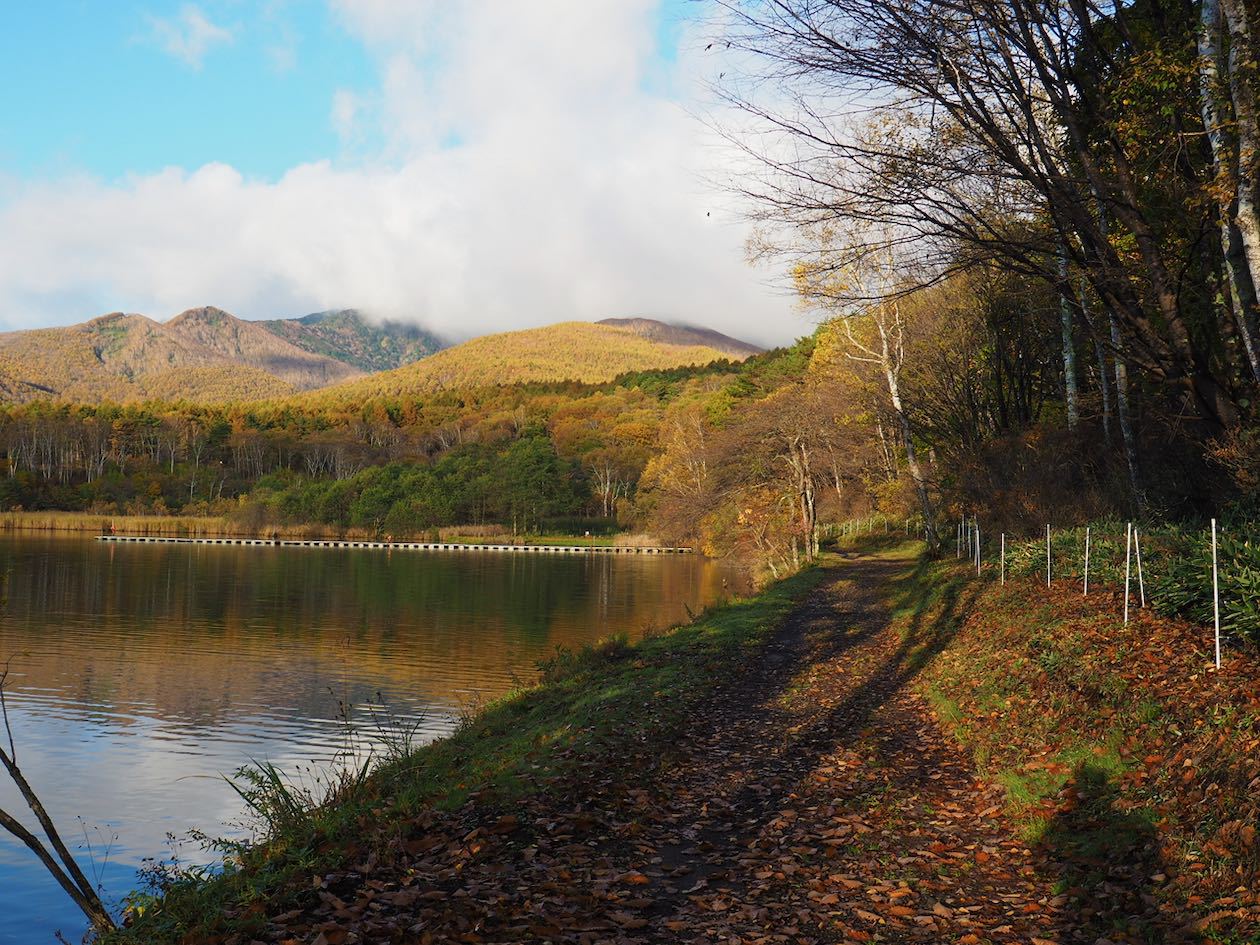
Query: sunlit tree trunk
point(889, 356)
point(1122, 413)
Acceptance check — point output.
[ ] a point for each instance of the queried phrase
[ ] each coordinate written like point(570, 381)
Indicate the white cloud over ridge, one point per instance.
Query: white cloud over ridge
point(526, 175)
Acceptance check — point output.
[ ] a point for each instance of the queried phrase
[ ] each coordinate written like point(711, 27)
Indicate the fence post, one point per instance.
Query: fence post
point(1137, 553)
point(977, 551)
point(1086, 594)
point(1047, 555)
point(1216, 598)
point(1128, 554)
point(1003, 558)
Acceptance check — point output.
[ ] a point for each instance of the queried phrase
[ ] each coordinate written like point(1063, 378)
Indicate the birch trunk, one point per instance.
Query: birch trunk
point(1104, 385)
point(1069, 350)
point(1241, 67)
point(912, 458)
point(1239, 273)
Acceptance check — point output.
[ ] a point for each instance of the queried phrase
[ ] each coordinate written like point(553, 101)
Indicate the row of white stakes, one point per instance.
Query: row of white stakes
point(969, 536)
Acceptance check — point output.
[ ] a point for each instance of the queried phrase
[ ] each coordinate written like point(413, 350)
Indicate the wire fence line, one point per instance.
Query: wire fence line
point(1207, 573)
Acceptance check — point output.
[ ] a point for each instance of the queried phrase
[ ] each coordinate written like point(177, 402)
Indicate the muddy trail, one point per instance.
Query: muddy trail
point(815, 799)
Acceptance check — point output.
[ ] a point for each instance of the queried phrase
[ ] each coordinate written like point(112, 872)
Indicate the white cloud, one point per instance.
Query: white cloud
point(189, 36)
point(345, 112)
point(526, 177)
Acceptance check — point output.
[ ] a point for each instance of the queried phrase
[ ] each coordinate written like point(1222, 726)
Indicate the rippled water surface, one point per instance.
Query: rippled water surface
point(141, 674)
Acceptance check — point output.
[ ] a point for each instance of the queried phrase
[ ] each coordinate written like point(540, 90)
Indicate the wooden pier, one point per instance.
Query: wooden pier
point(400, 545)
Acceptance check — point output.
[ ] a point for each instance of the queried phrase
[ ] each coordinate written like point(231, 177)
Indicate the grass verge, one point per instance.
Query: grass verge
point(612, 705)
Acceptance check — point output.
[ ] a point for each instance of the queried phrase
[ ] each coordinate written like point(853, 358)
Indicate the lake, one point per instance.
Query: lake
point(141, 674)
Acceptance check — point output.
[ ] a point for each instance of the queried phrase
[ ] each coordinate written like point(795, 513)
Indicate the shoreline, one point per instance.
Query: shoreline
point(392, 545)
point(587, 703)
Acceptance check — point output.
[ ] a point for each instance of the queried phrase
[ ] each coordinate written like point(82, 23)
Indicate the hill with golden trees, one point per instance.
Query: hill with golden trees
point(586, 352)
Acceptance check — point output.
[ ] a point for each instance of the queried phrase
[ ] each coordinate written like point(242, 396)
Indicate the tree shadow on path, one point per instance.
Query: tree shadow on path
point(844, 615)
point(1106, 857)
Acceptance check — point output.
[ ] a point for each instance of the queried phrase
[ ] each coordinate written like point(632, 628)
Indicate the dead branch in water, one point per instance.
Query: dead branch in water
point(62, 865)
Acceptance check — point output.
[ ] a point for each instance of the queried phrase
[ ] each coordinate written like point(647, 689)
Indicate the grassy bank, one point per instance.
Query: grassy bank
point(1123, 755)
point(613, 707)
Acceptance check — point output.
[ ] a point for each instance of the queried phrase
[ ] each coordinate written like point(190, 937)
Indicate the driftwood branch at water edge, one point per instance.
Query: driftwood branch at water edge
point(58, 860)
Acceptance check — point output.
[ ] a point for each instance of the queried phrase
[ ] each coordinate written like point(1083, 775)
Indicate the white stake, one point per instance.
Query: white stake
point(1047, 556)
point(977, 551)
point(1128, 554)
point(1216, 598)
point(1137, 553)
point(1004, 558)
point(1086, 561)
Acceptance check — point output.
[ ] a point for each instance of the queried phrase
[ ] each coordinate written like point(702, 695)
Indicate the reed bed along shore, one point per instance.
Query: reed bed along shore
point(102, 524)
point(180, 526)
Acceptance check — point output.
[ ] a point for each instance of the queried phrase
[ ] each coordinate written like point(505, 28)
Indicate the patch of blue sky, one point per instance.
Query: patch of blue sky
point(116, 88)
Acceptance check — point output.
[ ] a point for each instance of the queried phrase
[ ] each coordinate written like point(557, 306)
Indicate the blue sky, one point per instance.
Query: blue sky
point(472, 167)
point(103, 91)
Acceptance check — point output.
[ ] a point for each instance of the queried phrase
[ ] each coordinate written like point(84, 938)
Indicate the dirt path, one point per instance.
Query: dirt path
point(816, 801)
point(821, 803)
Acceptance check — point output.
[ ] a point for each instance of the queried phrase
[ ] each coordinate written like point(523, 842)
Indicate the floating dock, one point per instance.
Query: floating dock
point(401, 545)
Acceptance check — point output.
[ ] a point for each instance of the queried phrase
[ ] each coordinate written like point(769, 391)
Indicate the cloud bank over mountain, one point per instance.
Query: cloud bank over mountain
point(515, 165)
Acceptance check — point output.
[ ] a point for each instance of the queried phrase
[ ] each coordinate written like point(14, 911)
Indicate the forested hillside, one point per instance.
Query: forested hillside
point(365, 344)
point(203, 354)
point(253, 345)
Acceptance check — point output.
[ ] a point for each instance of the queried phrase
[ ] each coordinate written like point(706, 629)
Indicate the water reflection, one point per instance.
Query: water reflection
point(142, 673)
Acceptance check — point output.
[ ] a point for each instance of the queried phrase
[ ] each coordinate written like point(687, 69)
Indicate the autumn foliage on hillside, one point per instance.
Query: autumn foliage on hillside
point(572, 351)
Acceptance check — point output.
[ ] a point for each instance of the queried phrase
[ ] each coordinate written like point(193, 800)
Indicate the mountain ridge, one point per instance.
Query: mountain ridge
point(654, 329)
point(208, 354)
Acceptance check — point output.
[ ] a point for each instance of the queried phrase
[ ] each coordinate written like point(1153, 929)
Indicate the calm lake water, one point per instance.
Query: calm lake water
point(142, 674)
